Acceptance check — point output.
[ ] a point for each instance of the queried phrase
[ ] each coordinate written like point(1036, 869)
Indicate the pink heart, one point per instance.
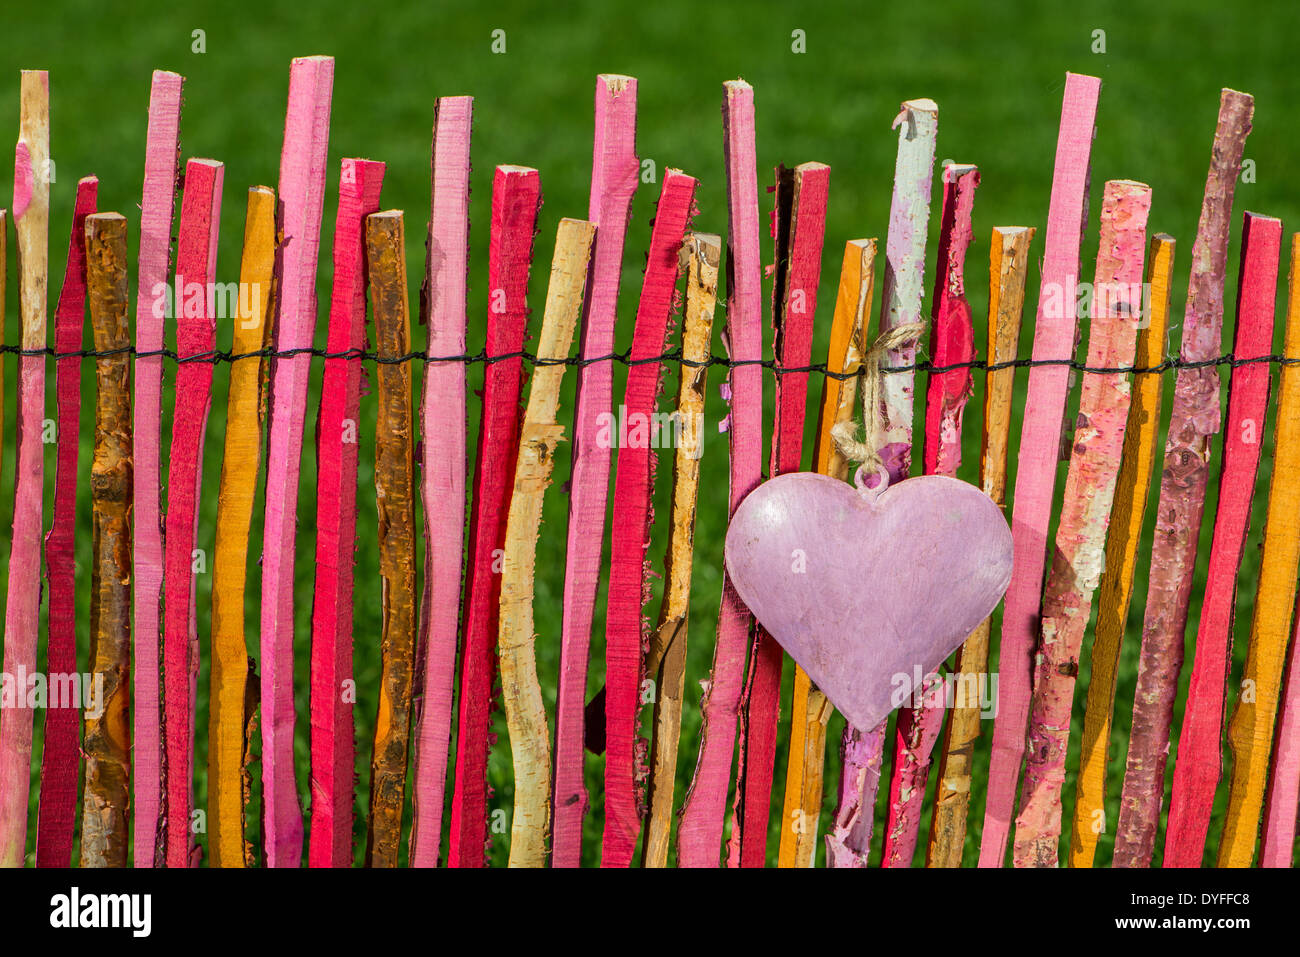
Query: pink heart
point(868, 590)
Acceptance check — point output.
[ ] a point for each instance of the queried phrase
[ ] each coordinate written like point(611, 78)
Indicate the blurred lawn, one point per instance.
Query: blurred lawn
point(997, 74)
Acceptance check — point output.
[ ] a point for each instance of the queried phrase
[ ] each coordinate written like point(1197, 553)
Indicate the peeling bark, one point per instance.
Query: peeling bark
point(1194, 421)
point(395, 499)
point(107, 745)
point(1098, 443)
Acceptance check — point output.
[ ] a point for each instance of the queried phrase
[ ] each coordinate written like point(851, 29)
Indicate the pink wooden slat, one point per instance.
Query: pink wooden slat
point(1096, 448)
point(633, 491)
point(614, 175)
point(952, 340)
point(1200, 760)
point(156, 211)
point(516, 196)
point(699, 841)
point(1277, 848)
point(196, 334)
point(302, 195)
point(333, 748)
point(917, 122)
point(443, 444)
point(1040, 446)
point(1194, 420)
point(31, 210)
point(794, 305)
point(60, 759)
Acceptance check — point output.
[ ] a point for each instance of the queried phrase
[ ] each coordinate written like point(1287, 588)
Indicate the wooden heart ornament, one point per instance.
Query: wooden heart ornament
point(867, 589)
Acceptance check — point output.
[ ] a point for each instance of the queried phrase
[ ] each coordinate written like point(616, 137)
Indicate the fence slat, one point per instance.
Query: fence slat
point(952, 340)
point(1054, 339)
point(229, 718)
point(161, 169)
point(1277, 848)
point(1250, 732)
point(1199, 764)
point(1128, 510)
point(60, 756)
point(23, 597)
point(699, 835)
point(105, 839)
point(1096, 446)
point(666, 658)
point(1194, 421)
point(1008, 267)
point(530, 739)
point(809, 708)
point(614, 176)
point(630, 529)
point(395, 499)
point(442, 427)
point(302, 196)
point(196, 334)
point(516, 196)
point(794, 307)
point(862, 749)
point(333, 749)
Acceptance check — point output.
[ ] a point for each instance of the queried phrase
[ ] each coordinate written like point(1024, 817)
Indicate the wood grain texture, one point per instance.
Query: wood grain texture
point(1054, 339)
point(157, 208)
point(614, 176)
point(540, 435)
point(699, 834)
point(232, 685)
point(302, 196)
point(1096, 446)
point(338, 426)
point(631, 521)
point(810, 711)
point(902, 290)
point(516, 196)
point(31, 210)
point(801, 233)
point(1128, 510)
point(666, 656)
point(1008, 268)
point(1193, 423)
point(443, 466)
point(106, 797)
point(1277, 590)
point(1199, 763)
point(952, 341)
point(196, 335)
point(1250, 732)
point(395, 500)
point(61, 753)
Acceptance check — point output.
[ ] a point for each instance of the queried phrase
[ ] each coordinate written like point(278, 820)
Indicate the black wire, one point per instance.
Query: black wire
point(219, 356)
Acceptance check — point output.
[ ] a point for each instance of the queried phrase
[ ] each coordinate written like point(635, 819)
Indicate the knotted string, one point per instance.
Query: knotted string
point(866, 450)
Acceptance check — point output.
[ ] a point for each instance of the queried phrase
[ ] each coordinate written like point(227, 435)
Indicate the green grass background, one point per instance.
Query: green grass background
point(996, 70)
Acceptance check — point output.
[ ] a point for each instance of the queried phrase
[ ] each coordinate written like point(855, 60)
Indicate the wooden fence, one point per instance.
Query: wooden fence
point(466, 619)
